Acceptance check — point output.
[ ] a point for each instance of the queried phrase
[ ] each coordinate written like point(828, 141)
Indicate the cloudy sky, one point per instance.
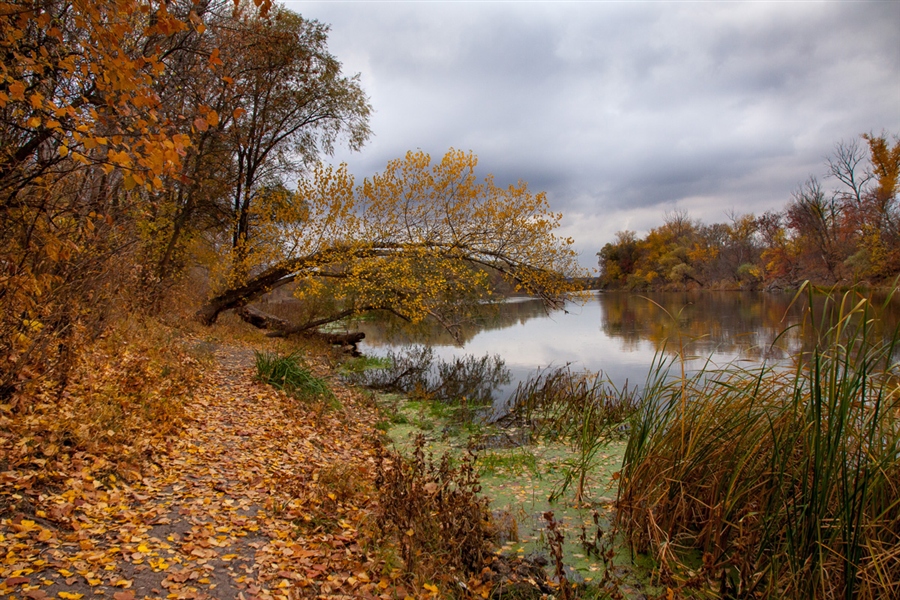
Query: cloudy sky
point(622, 111)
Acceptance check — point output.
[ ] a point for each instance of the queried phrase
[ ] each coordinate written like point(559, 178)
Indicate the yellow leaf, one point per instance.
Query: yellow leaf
point(25, 525)
point(70, 596)
point(212, 117)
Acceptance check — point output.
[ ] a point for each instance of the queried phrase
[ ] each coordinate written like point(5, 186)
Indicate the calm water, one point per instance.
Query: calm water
point(619, 334)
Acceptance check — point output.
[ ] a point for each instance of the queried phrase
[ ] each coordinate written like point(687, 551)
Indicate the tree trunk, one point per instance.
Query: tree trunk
point(280, 328)
point(262, 320)
point(242, 295)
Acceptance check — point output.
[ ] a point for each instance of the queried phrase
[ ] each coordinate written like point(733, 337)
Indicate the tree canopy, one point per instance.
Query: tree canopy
point(130, 131)
point(418, 239)
point(140, 138)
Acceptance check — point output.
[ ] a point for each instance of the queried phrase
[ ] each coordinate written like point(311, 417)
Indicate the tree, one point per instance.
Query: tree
point(81, 142)
point(780, 251)
point(881, 209)
point(293, 103)
point(417, 240)
point(618, 260)
point(817, 220)
point(264, 99)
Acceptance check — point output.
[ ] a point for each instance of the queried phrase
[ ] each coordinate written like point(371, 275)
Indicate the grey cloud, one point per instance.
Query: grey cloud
point(611, 107)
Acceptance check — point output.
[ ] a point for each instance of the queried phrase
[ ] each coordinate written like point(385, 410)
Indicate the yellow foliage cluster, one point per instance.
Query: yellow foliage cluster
point(82, 142)
point(418, 239)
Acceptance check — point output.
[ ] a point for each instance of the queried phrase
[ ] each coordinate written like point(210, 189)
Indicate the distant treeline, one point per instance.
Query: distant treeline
point(844, 235)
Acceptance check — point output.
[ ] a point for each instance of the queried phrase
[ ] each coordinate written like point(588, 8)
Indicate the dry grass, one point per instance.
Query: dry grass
point(780, 483)
point(435, 514)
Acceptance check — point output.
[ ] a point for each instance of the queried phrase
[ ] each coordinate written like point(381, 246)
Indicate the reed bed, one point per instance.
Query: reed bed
point(580, 407)
point(417, 372)
point(781, 481)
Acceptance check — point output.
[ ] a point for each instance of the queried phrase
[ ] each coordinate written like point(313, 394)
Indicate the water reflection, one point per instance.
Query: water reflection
point(619, 334)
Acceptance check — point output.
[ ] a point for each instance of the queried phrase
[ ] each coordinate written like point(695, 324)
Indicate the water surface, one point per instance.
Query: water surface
point(621, 333)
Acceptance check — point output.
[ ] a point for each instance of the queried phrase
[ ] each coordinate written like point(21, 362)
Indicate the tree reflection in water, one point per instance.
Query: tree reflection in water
point(620, 333)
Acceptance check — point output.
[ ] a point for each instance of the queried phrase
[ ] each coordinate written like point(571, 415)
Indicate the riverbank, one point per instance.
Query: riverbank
point(245, 493)
point(167, 469)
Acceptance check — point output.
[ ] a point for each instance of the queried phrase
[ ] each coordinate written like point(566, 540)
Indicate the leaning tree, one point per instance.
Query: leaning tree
point(419, 239)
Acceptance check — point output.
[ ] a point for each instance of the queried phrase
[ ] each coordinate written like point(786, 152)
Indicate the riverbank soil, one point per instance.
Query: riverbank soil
point(258, 496)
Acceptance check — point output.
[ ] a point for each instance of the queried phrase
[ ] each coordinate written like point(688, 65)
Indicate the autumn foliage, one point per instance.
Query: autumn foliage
point(844, 235)
point(149, 154)
point(419, 239)
point(129, 130)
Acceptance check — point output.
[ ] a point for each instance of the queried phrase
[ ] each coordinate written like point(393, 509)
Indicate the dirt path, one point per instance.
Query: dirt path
point(259, 497)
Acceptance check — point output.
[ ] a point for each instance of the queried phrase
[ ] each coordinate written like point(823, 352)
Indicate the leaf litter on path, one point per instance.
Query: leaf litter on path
point(259, 496)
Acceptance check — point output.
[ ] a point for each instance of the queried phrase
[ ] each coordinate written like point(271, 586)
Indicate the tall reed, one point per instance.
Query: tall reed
point(780, 481)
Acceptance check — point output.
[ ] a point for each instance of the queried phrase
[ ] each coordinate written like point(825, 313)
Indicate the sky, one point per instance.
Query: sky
point(623, 112)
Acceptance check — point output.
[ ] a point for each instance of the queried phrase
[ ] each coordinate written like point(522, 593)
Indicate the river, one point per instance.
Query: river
point(619, 334)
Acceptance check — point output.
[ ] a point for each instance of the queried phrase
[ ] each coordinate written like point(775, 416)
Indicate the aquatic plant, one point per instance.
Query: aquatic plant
point(777, 481)
point(581, 407)
point(415, 371)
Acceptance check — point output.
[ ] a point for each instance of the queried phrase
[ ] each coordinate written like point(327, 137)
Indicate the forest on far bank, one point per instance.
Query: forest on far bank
point(844, 232)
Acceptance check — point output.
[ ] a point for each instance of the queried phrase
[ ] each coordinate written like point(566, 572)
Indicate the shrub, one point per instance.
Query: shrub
point(434, 512)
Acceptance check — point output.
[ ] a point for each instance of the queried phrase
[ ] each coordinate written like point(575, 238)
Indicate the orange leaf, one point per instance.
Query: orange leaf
point(17, 90)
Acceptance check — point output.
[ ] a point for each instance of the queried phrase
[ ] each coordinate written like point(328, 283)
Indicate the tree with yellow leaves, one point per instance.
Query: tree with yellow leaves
point(418, 240)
